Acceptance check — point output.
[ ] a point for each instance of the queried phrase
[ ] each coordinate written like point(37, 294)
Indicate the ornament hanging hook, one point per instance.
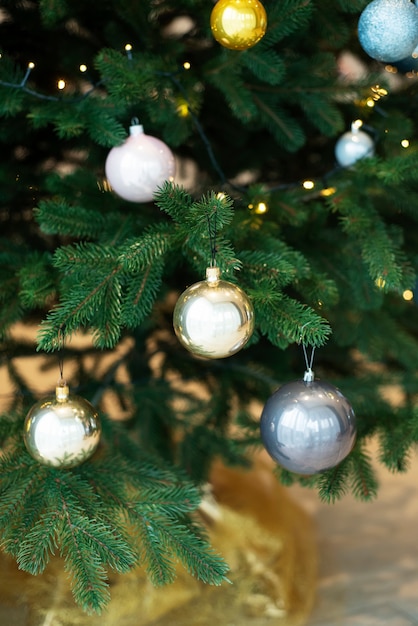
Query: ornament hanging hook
point(61, 382)
point(309, 375)
point(213, 231)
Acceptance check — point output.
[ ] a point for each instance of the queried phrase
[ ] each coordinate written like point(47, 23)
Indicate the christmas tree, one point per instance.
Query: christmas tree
point(322, 252)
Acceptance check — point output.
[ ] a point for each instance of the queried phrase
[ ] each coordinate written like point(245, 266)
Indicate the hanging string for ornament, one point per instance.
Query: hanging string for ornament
point(60, 342)
point(62, 430)
point(212, 230)
point(307, 425)
point(308, 375)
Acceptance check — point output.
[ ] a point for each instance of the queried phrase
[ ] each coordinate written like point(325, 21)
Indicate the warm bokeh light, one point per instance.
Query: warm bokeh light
point(379, 92)
point(61, 84)
point(261, 207)
point(182, 109)
point(408, 294)
point(308, 184)
point(329, 191)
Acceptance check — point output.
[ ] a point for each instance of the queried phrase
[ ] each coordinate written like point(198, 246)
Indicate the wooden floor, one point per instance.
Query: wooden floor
point(368, 554)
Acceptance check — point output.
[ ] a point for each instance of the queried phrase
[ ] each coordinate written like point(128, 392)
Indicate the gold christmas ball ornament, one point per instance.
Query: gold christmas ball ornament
point(238, 24)
point(63, 430)
point(213, 318)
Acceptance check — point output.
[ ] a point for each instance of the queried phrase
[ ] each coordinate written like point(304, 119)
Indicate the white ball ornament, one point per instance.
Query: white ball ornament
point(308, 426)
point(352, 146)
point(139, 166)
point(388, 29)
point(213, 318)
point(63, 430)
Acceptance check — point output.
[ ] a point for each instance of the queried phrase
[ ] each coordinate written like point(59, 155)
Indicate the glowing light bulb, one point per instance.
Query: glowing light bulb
point(61, 84)
point(128, 47)
point(408, 295)
point(308, 184)
point(379, 92)
point(405, 143)
point(182, 109)
point(83, 68)
point(261, 208)
point(187, 65)
point(329, 191)
point(31, 65)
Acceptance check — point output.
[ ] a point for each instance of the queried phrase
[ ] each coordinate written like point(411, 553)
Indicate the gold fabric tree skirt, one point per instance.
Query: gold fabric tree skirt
point(268, 541)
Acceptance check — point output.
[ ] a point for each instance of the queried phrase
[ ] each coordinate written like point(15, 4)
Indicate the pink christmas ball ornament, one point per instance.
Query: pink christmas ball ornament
point(139, 166)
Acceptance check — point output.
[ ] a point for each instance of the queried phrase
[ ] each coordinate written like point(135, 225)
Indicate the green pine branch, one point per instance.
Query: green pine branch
point(333, 484)
point(364, 483)
point(265, 64)
point(79, 514)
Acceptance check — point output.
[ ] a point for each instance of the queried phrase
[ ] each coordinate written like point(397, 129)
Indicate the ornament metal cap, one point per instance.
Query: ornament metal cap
point(62, 391)
point(136, 128)
point(213, 274)
point(309, 376)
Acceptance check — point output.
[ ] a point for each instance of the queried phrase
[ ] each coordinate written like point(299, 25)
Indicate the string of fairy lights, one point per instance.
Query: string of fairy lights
point(184, 109)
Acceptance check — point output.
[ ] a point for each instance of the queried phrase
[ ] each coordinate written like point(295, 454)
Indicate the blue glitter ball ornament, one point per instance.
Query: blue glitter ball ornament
point(388, 29)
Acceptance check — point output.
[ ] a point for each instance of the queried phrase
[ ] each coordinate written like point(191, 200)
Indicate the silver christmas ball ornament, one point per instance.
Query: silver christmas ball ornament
point(213, 318)
point(388, 29)
point(308, 426)
point(352, 146)
point(62, 430)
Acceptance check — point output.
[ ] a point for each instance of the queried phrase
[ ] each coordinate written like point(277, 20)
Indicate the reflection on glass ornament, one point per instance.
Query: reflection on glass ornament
point(388, 29)
point(408, 65)
point(352, 146)
point(139, 166)
point(238, 24)
point(213, 318)
point(308, 426)
point(62, 430)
